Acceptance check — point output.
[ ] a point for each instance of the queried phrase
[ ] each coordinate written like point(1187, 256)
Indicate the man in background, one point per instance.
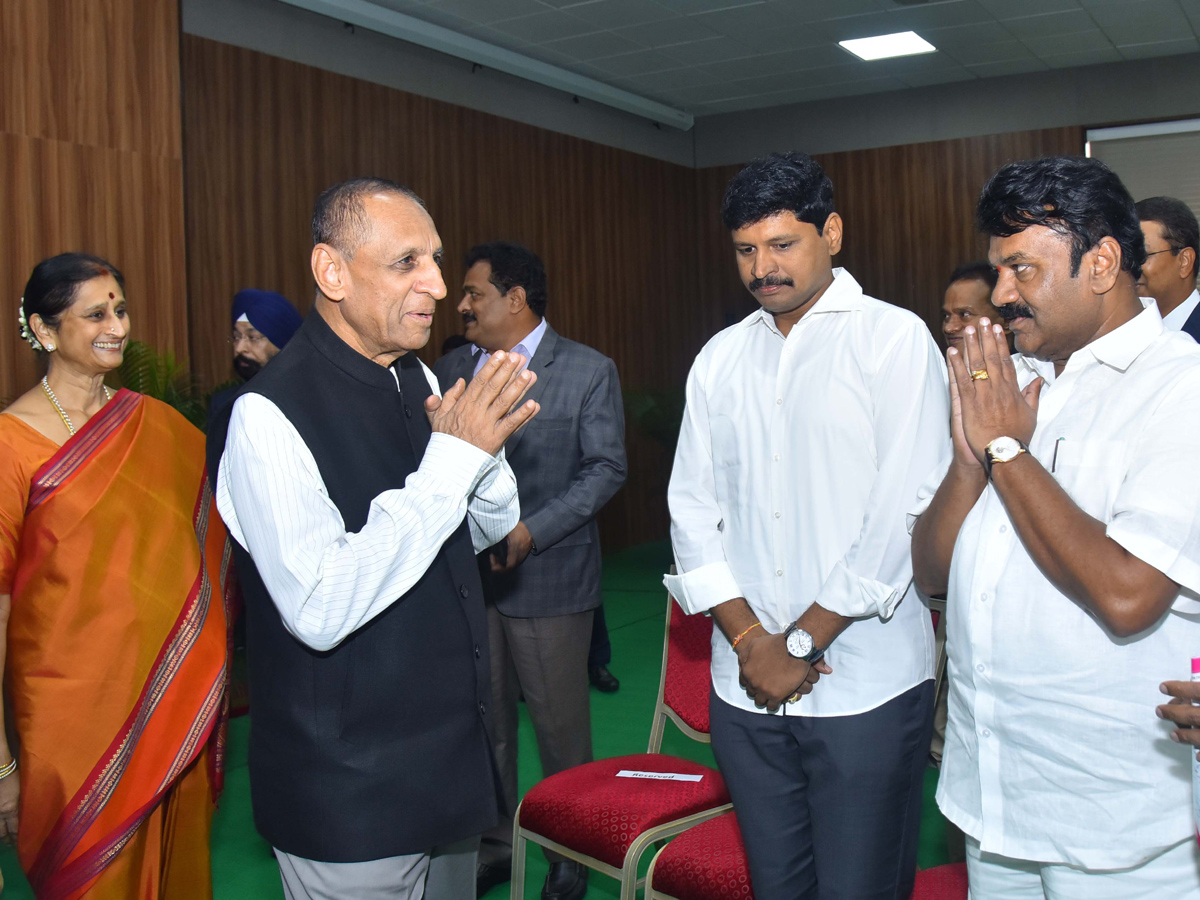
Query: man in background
point(263, 323)
point(968, 298)
point(542, 583)
point(1169, 273)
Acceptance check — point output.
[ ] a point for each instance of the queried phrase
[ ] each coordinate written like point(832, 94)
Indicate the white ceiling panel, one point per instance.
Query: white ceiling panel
point(705, 56)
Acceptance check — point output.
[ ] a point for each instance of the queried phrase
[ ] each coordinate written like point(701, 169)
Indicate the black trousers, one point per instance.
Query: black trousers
point(830, 808)
point(600, 650)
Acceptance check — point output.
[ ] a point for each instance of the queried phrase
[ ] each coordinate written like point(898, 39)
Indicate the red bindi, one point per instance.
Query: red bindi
point(112, 296)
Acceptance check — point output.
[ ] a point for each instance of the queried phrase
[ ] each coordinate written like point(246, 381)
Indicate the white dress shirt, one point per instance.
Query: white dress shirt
point(327, 582)
point(527, 346)
point(797, 461)
point(1053, 751)
point(1176, 318)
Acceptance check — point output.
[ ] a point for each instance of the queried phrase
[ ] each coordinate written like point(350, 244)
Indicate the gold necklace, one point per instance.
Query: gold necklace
point(58, 406)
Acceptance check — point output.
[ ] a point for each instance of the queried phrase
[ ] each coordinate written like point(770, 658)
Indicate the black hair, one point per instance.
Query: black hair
point(52, 286)
point(782, 182)
point(1080, 198)
point(513, 265)
point(339, 218)
point(975, 271)
point(1178, 223)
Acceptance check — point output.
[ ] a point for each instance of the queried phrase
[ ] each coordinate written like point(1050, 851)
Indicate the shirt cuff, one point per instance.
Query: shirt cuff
point(855, 597)
point(457, 463)
point(701, 589)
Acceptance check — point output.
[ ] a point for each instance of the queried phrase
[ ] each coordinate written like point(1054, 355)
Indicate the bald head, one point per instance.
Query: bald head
point(340, 218)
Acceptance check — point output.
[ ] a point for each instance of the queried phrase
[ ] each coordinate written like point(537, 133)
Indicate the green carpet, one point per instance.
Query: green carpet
point(634, 602)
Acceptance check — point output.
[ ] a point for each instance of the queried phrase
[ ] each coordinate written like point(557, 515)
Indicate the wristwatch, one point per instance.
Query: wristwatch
point(800, 644)
point(1002, 449)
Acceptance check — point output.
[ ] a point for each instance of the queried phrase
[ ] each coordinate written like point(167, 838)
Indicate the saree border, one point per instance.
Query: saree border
point(98, 788)
point(71, 456)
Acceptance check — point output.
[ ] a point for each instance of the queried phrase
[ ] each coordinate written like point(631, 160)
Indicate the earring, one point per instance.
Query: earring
point(49, 348)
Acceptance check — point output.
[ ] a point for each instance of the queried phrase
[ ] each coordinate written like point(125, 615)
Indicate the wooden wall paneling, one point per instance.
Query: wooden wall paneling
point(91, 158)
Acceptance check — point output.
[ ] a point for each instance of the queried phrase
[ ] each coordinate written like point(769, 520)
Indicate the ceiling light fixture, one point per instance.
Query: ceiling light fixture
point(378, 18)
point(885, 46)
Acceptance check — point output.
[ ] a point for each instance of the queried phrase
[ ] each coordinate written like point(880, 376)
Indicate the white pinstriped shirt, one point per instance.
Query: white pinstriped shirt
point(326, 582)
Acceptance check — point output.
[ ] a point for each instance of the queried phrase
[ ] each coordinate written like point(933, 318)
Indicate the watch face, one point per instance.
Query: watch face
point(1004, 448)
point(799, 643)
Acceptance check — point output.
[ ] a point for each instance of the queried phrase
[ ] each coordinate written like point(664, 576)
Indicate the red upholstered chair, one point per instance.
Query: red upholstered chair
point(592, 816)
point(947, 882)
point(708, 862)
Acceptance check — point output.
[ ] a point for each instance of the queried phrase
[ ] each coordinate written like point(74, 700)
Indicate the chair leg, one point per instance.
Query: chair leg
point(517, 891)
point(629, 880)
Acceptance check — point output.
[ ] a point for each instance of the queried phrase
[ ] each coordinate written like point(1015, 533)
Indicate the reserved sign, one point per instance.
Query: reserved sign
point(658, 776)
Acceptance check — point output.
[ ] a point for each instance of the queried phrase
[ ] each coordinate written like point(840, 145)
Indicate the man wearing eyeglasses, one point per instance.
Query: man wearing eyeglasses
point(263, 322)
point(1169, 273)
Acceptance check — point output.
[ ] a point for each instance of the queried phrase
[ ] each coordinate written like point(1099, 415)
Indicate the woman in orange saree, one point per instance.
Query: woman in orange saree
point(113, 562)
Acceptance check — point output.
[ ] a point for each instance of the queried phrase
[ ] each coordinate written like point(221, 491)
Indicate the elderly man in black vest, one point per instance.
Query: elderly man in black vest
point(357, 496)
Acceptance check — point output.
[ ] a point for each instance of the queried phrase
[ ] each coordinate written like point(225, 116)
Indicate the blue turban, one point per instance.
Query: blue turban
point(270, 313)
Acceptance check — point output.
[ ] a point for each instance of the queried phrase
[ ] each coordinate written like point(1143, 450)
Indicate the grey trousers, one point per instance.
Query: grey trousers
point(445, 873)
point(546, 658)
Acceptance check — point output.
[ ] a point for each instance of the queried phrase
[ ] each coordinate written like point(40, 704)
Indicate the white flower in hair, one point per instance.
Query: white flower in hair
point(27, 332)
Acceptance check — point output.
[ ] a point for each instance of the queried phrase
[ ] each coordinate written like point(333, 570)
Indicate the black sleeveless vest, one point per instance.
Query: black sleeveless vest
point(380, 746)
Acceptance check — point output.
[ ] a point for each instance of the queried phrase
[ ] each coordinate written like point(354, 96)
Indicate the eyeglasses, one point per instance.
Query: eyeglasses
point(1174, 251)
point(253, 338)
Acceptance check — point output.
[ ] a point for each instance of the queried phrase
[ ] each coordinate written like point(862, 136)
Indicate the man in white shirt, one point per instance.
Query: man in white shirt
point(1169, 273)
point(808, 429)
point(357, 494)
point(1066, 529)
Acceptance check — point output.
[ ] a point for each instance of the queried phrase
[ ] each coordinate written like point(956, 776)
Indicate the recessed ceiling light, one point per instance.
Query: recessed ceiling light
point(904, 43)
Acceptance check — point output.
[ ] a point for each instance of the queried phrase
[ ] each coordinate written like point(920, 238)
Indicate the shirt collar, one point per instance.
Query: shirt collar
point(1119, 348)
point(528, 345)
point(844, 294)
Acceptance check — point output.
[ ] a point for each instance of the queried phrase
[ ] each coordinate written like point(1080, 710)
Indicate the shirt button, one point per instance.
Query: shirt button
point(463, 592)
point(407, 413)
point(983, 597)
point(482, 708)
point(980, 667)
point(477, 653)
point(779, 401)
point(778, 514)
point(779, 571)
point(1003, 528)
point(985, 732)
point(776, 457)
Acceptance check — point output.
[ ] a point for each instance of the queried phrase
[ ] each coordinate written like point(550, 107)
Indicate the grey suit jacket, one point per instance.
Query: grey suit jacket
point(568, 461)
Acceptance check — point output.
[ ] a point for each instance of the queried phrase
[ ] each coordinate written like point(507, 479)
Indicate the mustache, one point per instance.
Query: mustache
point(246, 367)
point(468, 317)
point(1011, 311)
point(770, 281)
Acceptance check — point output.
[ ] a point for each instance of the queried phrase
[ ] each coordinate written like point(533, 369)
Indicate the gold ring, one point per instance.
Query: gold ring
point(980, 375)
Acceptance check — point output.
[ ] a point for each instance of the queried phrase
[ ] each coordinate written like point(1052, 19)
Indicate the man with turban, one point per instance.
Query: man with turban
point(263, 322)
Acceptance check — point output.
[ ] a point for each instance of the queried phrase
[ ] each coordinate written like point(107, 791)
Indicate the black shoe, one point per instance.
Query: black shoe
point(488, 875)
point(604, 680)
point(566, 881)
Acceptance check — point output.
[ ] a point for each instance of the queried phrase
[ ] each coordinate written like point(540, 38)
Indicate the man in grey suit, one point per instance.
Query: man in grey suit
point(542, 583)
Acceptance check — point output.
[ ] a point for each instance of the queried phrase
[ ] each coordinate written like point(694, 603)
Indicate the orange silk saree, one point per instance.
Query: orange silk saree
point(117, 649)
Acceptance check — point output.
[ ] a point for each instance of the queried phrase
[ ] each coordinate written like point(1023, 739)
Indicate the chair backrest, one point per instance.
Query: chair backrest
point(684, 685)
